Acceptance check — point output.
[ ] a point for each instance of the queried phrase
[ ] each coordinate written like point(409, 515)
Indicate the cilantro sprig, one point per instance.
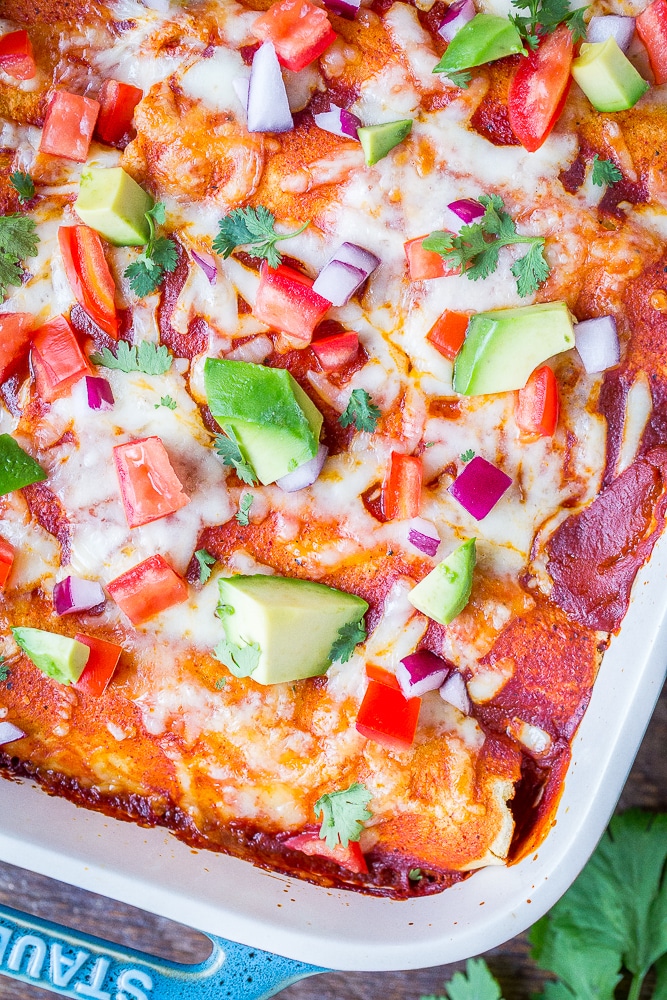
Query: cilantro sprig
point(227, 447)
point(242, 661)
point(605, 172)
point(142, 357)
point(4, 671)
point(343, 814)
point(24, 186)
point(168, 402)
point(476, 250)
point(349, 636)
point(242, 514)
point(360, 411)
point(544, 16)
point(160, 256)
point(205, 561)
point(18, 240)
point(252, 228)
point(467, 456)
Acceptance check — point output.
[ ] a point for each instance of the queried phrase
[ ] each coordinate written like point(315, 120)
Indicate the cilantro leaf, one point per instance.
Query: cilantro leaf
point(167, 401)
point(241, 661)
point(23, 185)
point(230, 453)
point(343, 814)
point(220, 683)
point(460, 78)
point(349, 636)
point(468, 455)
point(254, 229)
point(361, 412)
point(159, 257)
point(4, 671)
point(476, 983)
point(605, 172)
point(415, 875)
point(205, 560)
point(544, 17)
point(244, 509)
point(18, 240)
point(144, 357)
point(531, 270)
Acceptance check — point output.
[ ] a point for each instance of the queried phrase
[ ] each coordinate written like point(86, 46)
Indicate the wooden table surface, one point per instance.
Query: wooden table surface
point(646, 787)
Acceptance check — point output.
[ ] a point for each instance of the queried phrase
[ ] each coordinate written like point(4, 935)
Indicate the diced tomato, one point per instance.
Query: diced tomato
point(537, 403)
point(286, 301)
point(382, 676)
point(539, 87)
point(652, 29)
point(402, 489)
point(57, 360)
point(425, 264)
point(333, 353)
point(101, 664)
point(16, 55)
point(448, 333)
point(15, 332)
point(149, 487)
point(6, 561)
point(299, 30)
point(388, 717)
point(147, 589)
point(349, 857)
point(117, 103)
point(89, 275)
point(68, 126)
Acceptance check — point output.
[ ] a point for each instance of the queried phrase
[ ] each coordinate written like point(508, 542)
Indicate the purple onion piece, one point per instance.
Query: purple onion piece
point(421, 672)
point(74, 594)
point(306, 474)
point(456, 17)
point(352, 253)
point(9, 732)
point(268, 107)
point(100, 396)
point(338, 121)
point(241, 85)
point(479, 487)
point(616, 26)
point(344, 8)
point(597, 344)
point(338, 282)
point(467, 209)
point(207, 264)
point(424, 536)
point(455, 692)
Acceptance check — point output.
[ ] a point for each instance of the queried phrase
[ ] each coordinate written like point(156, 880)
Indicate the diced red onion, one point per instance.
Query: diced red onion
point(616, 26)
point(467, 209)
point(306, 474)
point(338, 121)
point(455, 692)
point(424, 536)
point(479, 487)
point(458, 14)
point(352, 253)
point(597, 343)
point(268, 107)
point(241, 85)
point(207, 264)
point(9, 732)
point(344, 8)
point(100, 396)
point(74, 594)
point(421, 672)
point(338, 282)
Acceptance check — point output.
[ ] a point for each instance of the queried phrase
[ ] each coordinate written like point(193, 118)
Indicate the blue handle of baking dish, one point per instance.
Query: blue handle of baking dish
point(76, 965)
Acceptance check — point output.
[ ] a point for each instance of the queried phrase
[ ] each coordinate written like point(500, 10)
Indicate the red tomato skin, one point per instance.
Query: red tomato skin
point(68, 126)
point(6, 561)
point(16, 55)
point(402, 489)
point(333, 353)
point(117, 103)
point(285, 301)
point(537, 404)
point(89, 275)
point(147, 589)
point(349, 857)
point(101, 664)
point(388, 717)
point(538, 90)
point(57, 360)
point(15, 334)
point(652, 29)
point(448, 333)
point(425, 264)
point(300, 32)
point(149, 487)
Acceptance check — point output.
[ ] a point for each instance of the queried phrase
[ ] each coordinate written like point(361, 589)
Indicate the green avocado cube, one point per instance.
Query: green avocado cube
point(290, 624)
point(112, 203)
point(502, 348)
point(444, 593)
point(17, 468)
point(57, 656)
point(378, 140)
point(607, 77)
point(484, 39)
point(276, 425)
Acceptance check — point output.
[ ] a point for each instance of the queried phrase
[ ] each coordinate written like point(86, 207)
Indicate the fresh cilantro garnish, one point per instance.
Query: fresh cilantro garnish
point(477, 247)
point(23, 185)
point(349, 636)
point(605, 172)
point(241, 661)
point(166, 401)
point(415, 875)
point(544, 17)
point(467, 456)
point(476, 983)
point(460, 78)
point(361, 412)
point(220, 683)
point(252, 228)
point(205, 560)
point(160, 255)
point(142, 357)
point(343, 814)
point(230, 453)
point(4, 671)
point(18, 240)
point(244, 509)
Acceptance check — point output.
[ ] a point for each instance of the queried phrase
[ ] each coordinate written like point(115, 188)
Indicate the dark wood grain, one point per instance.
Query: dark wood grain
point(646, 787)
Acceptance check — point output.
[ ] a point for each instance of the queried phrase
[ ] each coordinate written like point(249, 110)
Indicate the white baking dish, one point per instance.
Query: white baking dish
point(344, 930)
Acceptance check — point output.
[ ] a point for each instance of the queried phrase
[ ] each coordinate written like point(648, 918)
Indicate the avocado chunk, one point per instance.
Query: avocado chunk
point(113, 204)
point(286, 626)
point(444, 593)
point(378, 140)
point(607, 77)
point(17, 468)
point(484, 39)
point(275, 424)
point(502, 348)
point(57, 656)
